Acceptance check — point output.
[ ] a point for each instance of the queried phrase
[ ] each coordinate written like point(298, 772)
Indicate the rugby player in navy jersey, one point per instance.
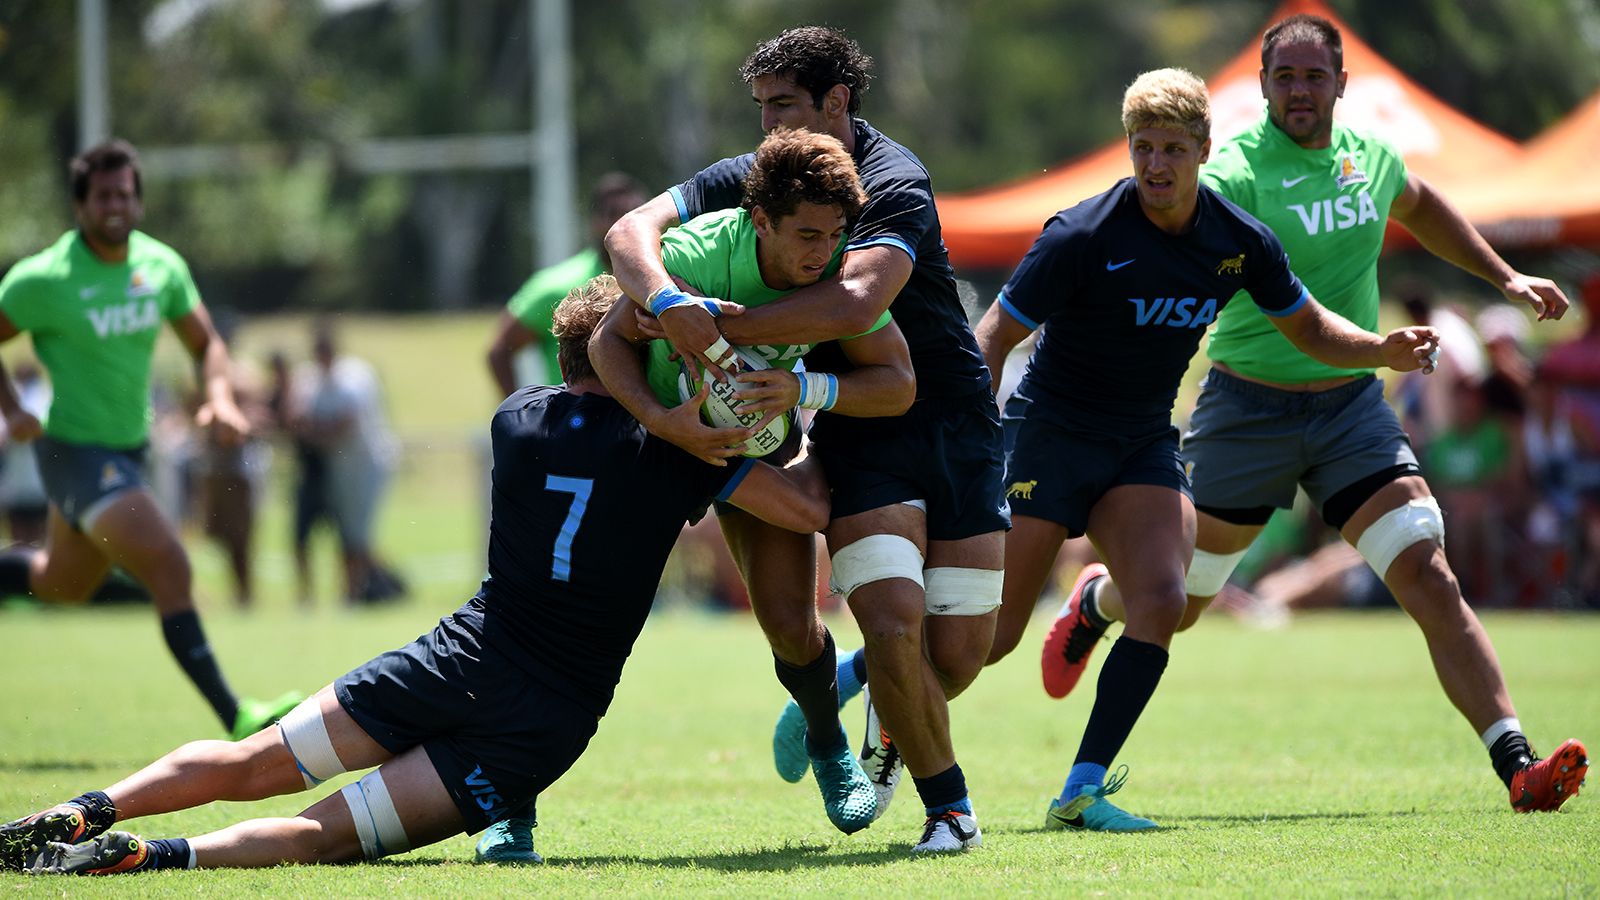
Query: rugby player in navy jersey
point(1124, 285)
point(919, 515)
point(497, 702)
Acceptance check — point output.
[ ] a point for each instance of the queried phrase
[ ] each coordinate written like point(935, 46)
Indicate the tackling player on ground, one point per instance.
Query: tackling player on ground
point(495, 703)
point(94, 302)
point(1124, 285)
point(1269, 418)
point(800, 194)
point(919, 516)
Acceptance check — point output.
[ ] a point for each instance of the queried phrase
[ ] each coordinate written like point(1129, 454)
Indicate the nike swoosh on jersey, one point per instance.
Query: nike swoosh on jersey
point(1112, 267)
point(1291, 182)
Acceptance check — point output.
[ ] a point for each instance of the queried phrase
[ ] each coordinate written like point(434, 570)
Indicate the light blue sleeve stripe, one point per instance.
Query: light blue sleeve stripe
point(1008, 306)
point(1293, 308)
point(678, 201)
point(882, 240)
point(745, 465)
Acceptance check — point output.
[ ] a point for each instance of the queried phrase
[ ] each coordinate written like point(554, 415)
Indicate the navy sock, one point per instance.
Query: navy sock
point(14, 566)
point(1510, 755)
point(944, 792)
point(170, 853)
point(99, 814)
point(525, 811)
point(814, 688)
point(852, 675)
point(187, 641)
point(1127, 680)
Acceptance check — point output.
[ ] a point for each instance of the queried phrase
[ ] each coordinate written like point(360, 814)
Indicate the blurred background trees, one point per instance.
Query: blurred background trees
point(281, 92)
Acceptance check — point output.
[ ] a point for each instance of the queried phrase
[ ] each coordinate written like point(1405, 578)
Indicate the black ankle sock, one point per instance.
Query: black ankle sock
point(14, 566)
point(98, 812)
point(941, 790)
point(168, 853)
point(187, 641)
point(1091, 604)
point(1510, 755)
point(815, 687)
point(525, 811)
point(1127, 680)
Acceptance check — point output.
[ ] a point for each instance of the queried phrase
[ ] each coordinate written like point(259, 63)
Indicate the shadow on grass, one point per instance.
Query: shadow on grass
point(1270, 818)
point(54, 765)
point(760, 860)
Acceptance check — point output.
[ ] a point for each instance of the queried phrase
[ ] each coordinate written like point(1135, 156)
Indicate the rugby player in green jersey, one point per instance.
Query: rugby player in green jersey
point(800, 193)
point(528, 314)
point(1270, 419)
point(94, 302)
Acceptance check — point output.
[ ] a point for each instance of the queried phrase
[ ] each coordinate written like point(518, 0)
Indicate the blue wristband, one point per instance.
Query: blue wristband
point(665, 298)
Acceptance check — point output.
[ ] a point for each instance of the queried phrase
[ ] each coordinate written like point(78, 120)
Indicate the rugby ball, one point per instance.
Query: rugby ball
point(721, 410)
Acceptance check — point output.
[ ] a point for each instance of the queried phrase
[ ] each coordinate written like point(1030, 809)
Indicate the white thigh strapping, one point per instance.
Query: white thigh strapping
point(306, 736)
point(953, 591)
point(876, 557)
point(377, 824)
point(1209, 572)
point(1399, 528)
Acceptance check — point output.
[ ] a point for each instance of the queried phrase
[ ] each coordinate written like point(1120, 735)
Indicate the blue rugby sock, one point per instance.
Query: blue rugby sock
point(852, 675)
point(1082, 775)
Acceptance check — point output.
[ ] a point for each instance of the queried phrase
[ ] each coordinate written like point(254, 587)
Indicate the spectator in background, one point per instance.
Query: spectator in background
point(1470, 465)
point(1573, 369)
point(342, 416)
point(1427, 403)
point(229, 480)
point(526, 320)
point(311, 472)
point(22, 493)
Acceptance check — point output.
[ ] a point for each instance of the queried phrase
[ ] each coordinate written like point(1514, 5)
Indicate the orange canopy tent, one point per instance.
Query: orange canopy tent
point(1551, 198)
point(993, 228)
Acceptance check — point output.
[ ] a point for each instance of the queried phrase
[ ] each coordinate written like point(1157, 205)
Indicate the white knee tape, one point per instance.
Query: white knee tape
point(1417, 521)
point(377, 824)
point(1209, 572)
point(962, 592)
point(306, 736)
point(876, 557)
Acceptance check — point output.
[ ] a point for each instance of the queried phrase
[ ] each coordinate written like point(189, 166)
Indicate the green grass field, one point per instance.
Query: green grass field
point(1318, 761)
point(1321, 760)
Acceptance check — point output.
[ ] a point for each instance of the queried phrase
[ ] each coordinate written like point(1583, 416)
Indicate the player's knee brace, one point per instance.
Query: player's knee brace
point(306, 736)
point(1209, 572)
point(876, 557)
point(377, 824)
point(1399, 528)
point(955, 591)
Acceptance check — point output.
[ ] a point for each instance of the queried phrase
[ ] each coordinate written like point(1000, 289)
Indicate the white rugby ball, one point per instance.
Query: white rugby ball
point(721, 410)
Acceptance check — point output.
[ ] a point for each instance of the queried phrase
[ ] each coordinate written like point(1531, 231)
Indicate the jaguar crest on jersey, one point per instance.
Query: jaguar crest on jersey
point(1348, 173)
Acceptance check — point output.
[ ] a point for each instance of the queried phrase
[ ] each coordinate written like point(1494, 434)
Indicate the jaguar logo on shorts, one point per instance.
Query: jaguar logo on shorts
point(110, 477)
point(1188, 469)
point(1233, 265)
point(1021, 489)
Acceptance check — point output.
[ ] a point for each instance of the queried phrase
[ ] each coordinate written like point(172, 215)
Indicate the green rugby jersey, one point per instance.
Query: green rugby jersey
point(94, 325)
point(716, 255)
point(1329, 207)
point(534, 304)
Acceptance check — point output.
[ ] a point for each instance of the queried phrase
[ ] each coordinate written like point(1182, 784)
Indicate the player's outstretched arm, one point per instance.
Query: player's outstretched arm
point(794, 497)
point(1330, 338)
point(510, 335)
point(614, 353)
point(21, 425)
point(1446, 233)
point(998, 332)
point(634, 246)
point(846, 304)
point(210, 354)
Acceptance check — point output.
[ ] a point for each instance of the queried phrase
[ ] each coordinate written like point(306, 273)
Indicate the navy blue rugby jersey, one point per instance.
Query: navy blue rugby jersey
point(1124, 304)
point(899, 213)
point(586, 505)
